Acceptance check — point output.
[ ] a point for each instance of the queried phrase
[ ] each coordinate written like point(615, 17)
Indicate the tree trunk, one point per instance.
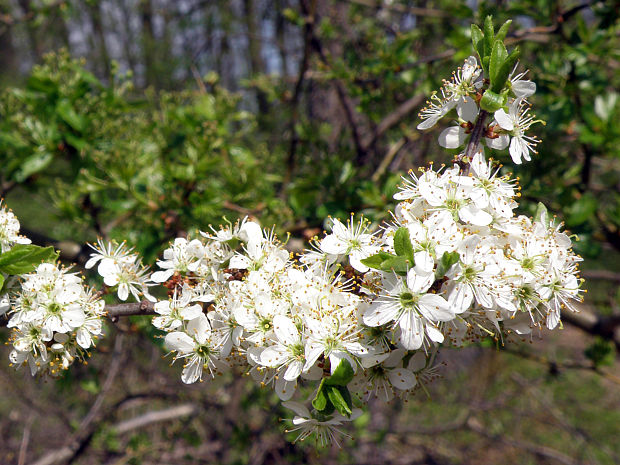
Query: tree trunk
point(148, 43)
point(257, 65)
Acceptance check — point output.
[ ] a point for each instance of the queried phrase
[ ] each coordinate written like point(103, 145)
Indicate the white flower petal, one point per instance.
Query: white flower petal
point(434, 334)
point(332, 244)
point(402, 379)
point(499, 143)
point(180, 342)
point(473, 215)
point(504, 120)
point(435, 308)
point(424, 262)
point(192, 371)
point(294, 370)
point(467, 109)
point(452, 137)
point(523, 89)
point(285, 389)
point(285, 330)
point(412, 331)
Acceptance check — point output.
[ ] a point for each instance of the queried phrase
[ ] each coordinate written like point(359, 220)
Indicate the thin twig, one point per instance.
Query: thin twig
point(23, 447)
point(392, 119)
point(476, 135)
point(389, 156)
point(157, 416)
point(303, 67)
point(145, 307)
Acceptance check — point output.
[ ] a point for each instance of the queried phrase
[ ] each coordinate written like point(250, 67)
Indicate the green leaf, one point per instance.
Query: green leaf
point(477, 40)
point(504, 70)
point(485, 64)
point(340, 398)
point(33, 164)
point(501, 34)
point(492, 101)
point(489, 35)
point(399, 265)
point(541, 210)
point(320, 400)
point(1, 282)
point(24, 258)
point(582, 210)
point(498, 56)
point(67, 113)
point(447, 260)
point(601, 352)
point(402, 244)
point(342, 375)
point(74, 141)
point(375, 261)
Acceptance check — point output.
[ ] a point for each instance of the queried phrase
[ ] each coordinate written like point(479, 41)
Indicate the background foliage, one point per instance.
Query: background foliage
point(147, 119)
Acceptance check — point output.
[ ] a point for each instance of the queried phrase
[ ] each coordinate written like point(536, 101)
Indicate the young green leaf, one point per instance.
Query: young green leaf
point(501, 34)
point(447, 260)
point(320, 400)
point(504, 71)
point(402, 244)
point(477, 40)
point(492, 101)
point(399, 265)
point(342, 375)
point(24, 258)
point(340, 397)
point(541, 210)
point(375, 261)
point(498, 56)
point(489, 35)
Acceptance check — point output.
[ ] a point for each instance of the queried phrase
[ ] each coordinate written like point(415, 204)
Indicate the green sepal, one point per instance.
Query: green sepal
point(340, 397)
point(342, 375)
point(24, 258)
point(447, 260)
point(492, 101)
point(402, 244)
point(501, 34)
point(498, 56)
point(504, 71)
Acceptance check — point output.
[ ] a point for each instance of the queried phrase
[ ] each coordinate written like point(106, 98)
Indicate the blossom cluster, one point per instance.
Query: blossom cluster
point(9, 230)
point(122, 268)
point(454, 265)
point(55, 319)
point(507, 129)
